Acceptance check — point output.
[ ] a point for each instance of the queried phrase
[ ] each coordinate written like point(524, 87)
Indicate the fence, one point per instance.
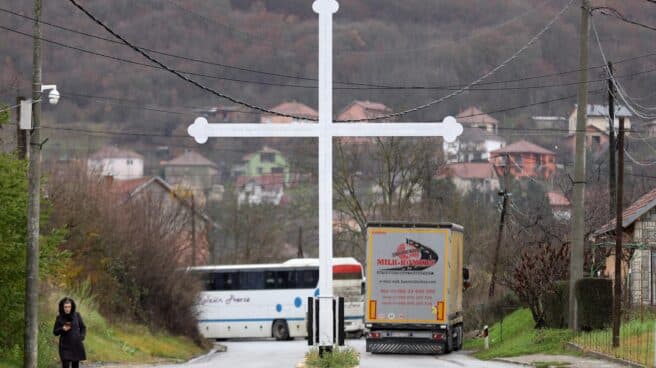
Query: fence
point(637, 339)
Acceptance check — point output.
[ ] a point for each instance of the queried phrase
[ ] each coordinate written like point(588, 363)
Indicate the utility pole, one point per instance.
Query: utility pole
point(193, 230)
point(299, 251)
point(34, 204)
point(611, 140)
point(505, 193)
point(21, 134)
point(617, 300)
point(578, 222)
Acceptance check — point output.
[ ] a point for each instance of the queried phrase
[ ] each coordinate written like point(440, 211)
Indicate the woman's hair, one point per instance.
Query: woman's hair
point(66, 300)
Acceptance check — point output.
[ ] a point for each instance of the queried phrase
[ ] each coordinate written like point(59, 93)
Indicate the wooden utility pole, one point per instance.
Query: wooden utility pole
point(193, 230)
point(617, 300)
point(34, 204)
point(578, 221)
point(611, 141)
point(505, 193)
point(21, 134)
point(299, 250)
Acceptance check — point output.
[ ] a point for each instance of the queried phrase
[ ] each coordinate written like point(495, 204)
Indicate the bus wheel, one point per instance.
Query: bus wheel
point(280, 330)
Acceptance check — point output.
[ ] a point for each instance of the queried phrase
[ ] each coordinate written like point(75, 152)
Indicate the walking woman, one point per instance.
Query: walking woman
point(71, 331)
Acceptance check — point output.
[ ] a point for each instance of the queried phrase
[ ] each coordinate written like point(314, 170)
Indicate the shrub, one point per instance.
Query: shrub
point(555, 305)
point(13, 237)
point(338, 358)
point(535, 274)
point(130, 250)
point(594, 298)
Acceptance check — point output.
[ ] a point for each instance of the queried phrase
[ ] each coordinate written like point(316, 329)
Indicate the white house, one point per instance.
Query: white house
point(598, 118)
point(476, 176)
point(118, 163)
point(268, 188)
point(473, 145)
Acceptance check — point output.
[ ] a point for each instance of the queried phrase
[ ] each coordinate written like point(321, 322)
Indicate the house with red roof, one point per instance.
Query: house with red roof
point(639, 238)
point(358, 110)
point(473, 117)
point(476, 176)
point(526, 159)
point(192, 170)
point(119, 163)
point(169, 203)
point(305, 112)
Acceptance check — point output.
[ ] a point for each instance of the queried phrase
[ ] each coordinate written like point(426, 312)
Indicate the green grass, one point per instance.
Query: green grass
point(105, 341)
point(339, 358)
point(636, 341)
point(516, 336)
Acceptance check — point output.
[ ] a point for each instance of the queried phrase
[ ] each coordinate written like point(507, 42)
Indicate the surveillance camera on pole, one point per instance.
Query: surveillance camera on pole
point(53, 96)
point(25, 122)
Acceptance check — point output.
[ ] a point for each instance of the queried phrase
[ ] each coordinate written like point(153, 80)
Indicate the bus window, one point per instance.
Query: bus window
point(308, 279)
point(226, 280)
point(270, 279)
point(208, 281)
point(251, 280)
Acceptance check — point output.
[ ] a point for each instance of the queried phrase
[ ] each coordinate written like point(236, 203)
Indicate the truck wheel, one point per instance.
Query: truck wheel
point(459, 340)
point(448, 345)
point(280, 330)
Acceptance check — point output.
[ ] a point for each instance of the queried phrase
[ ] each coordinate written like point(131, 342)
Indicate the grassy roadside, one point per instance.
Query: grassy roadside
point(520, 338)
point(105, 341)
point(636, 341)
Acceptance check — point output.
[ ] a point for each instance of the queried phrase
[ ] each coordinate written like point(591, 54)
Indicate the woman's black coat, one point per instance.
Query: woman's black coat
point(70, 342)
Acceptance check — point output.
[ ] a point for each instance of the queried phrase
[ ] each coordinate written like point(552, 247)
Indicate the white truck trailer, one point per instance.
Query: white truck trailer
point(415, 282)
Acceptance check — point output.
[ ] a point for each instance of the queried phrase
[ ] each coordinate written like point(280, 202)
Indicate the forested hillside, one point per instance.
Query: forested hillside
point(381, 42)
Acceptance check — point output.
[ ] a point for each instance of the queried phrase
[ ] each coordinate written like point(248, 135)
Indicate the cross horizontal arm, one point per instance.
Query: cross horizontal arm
point(449, 129)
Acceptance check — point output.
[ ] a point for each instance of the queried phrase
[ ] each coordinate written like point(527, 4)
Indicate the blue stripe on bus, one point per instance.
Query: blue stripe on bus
point(261, 319)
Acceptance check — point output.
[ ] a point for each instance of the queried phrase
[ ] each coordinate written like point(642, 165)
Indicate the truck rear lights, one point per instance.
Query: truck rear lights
point(374, 335)
point(438, 336)
point(440, 311)
point(372, 309)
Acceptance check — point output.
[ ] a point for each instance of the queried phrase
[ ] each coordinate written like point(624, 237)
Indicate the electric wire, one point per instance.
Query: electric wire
point(359, 85)
point(180, 75)
point(618, 87)
point(475, 82)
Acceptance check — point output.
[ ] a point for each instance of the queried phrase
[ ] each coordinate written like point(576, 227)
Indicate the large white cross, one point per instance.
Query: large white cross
point(325, 130)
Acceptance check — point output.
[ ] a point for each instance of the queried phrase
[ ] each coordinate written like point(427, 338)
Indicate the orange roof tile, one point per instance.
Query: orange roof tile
point(473, 115)
point(523, 147)
point(632, 213)
point(296, 108)
point(370, 110)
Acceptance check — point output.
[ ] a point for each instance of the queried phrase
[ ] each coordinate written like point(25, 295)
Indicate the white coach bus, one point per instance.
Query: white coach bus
point(270, 300)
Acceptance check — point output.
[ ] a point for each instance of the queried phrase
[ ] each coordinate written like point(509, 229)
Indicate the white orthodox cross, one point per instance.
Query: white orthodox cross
point(325, 130)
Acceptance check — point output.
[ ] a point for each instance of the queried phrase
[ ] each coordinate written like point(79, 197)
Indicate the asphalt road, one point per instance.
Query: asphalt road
point(281, 354)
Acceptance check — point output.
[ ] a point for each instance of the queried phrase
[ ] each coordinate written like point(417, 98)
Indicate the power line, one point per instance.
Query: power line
point(359, 85)
point(61, 44)
point(639, 163)
point(480, 79)
point(181, 76)
point(610, 11)
point(619, 89)
point(228, 66)
point(431, 47)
